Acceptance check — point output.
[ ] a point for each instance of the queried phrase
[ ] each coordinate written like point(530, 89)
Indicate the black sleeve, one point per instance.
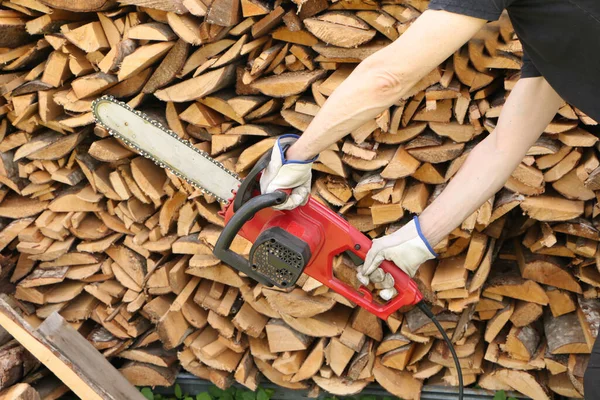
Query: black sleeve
point(528, 70)
point(489, 10)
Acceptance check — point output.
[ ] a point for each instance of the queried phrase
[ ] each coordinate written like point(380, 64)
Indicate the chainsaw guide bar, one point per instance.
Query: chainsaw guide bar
point(165, 148)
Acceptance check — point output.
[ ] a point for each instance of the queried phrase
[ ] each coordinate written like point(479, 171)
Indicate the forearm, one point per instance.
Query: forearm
point(352, 104)
point(384, 77)
point(527, 112)
point(484, 173)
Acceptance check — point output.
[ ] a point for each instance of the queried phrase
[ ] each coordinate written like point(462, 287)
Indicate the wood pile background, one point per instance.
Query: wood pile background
point(122, 249)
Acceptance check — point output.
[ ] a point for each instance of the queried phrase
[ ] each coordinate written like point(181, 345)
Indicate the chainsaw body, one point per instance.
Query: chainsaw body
point(305, 239)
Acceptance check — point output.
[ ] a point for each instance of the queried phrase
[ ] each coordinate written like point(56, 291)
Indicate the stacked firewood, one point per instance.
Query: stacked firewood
point(122, 249)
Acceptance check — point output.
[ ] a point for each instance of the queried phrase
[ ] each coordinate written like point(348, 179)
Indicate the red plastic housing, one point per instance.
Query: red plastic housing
point(328, 235)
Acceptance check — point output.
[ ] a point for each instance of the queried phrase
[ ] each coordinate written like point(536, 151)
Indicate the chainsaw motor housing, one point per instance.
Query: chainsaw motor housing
point(279, 256)
point(283, 243)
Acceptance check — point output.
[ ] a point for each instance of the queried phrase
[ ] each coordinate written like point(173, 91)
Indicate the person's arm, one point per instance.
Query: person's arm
point(528, 110)
point(374, 85)
point(385, 77)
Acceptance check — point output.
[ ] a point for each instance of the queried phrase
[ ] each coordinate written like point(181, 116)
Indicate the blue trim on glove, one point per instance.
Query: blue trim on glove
point(284, 160)
point(423, 238)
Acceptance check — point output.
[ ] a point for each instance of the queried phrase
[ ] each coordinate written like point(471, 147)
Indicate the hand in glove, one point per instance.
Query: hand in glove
point(383, 281)
point(407, 248)
point(282, 173)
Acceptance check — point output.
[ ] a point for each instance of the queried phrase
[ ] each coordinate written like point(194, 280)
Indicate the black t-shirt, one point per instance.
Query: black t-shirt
point(561, 41)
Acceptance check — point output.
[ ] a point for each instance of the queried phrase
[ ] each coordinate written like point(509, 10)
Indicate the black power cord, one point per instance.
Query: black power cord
point(427, 311)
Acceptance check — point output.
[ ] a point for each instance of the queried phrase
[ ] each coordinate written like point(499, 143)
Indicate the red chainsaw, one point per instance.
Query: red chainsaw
point(285, 243)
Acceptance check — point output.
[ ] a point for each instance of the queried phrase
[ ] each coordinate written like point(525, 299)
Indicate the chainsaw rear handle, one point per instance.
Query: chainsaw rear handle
point(358, 243)
point(244, 214)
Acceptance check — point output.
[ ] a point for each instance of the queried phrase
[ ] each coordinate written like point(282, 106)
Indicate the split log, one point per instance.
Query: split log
point(338, 356)
point(277, 377)
point(564, 334)
point(283, 338)
point(20, 391)
point(521, 343)
point(287, 84)
point(200, 86)
point(561, 302)
point(545, 269)
point(495, 325)
point(338, 386)
point(143, 374)
point(523, 382)
point(544, 208)
point(328, 324)
point(298, 303)
point(506, 281)
point(312, 363)
point(167, 70)
point(526, 313)
point(561, 385)
point(399, 383)
point(340, 29)
point(586, 312)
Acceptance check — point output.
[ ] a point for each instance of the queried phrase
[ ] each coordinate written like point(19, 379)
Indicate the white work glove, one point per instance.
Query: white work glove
point(407, 248)
point(383, 281)
point(282, 173)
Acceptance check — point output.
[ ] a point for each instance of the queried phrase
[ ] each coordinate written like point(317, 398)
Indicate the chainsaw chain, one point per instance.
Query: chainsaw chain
point(160, 126)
